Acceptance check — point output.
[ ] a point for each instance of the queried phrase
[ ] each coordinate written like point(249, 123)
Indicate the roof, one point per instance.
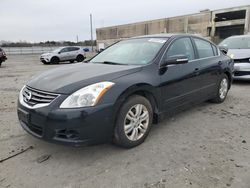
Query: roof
point(169, 35)
point(166, 35)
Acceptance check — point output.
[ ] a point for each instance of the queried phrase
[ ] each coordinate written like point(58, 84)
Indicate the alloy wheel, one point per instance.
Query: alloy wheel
point(223, 88)
point(136, 122)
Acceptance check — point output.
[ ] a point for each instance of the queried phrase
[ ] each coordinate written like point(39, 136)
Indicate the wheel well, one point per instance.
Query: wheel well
point(80, 55)
point(148, 96)
point(229, 78)
point(55, 57)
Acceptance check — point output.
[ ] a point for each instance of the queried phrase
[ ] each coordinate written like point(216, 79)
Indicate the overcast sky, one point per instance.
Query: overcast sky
point(41, 20)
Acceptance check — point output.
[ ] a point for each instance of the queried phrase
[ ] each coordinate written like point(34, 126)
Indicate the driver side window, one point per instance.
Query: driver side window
point(64, 50)
point(182, 46)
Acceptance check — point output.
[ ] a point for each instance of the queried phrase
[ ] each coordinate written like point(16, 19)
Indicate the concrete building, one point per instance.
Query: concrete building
point(214, 25)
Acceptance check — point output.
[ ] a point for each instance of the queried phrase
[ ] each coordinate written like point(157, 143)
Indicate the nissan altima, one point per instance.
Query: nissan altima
point(123, 90)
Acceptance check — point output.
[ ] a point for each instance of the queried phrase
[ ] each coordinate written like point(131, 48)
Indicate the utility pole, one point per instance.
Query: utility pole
point(91, 28)
point(76, 38)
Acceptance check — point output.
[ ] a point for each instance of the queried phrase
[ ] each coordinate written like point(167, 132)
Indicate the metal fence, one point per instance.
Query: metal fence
point(32, 50)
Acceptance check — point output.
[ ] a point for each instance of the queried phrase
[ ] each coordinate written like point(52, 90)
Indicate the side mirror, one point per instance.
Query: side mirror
point(176, 59)
point(223, 49)
point(59, 52)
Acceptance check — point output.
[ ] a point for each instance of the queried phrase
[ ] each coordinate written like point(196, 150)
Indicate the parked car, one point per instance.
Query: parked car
point(3, 56)
point(124, 89)
point(239, 50)
point(72, 53)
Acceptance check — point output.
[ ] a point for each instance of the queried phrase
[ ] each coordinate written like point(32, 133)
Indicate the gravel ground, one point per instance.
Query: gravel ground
point(206, 146)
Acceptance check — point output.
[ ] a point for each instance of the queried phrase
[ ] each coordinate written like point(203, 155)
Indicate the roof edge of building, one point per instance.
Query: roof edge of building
point(173, 17)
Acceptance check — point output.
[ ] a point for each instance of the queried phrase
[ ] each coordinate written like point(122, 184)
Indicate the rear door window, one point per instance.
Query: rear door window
point(204, 48)
point(74, 48)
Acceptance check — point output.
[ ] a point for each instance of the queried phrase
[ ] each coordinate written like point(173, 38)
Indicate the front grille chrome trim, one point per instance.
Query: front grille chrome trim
point(38, 99)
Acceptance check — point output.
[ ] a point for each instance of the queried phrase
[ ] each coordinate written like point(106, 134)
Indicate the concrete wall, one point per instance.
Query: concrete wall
point(196, 23)
point(200, 23)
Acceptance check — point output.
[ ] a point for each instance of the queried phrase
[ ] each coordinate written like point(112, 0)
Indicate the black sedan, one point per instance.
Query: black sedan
point(120, 92)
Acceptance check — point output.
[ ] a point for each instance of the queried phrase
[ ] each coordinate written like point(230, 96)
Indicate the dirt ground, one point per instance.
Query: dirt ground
point(206, 146)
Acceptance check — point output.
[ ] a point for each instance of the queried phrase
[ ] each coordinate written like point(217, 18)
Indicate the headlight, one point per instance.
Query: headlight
point(87, 96)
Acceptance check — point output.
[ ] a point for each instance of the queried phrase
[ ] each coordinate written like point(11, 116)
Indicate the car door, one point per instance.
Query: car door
point(207, 66)
point(64, 54)
point(74, 52)
point(178, 81)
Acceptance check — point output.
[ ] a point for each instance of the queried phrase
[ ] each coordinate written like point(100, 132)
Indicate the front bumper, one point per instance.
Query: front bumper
point(3, 58)
point(44, 59)
point(75, 127)
point(241, 71)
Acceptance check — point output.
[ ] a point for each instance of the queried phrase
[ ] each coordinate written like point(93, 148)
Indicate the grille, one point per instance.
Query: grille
point(33, 97)
point(246, 60)
point(241, 73)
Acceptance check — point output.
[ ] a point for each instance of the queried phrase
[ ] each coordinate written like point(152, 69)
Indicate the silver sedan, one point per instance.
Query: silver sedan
point(239, 50)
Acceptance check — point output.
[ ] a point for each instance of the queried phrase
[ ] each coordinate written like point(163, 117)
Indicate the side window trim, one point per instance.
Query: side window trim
point(195, 49)
point(64, 50)
point(175, 39)
point(215, 49)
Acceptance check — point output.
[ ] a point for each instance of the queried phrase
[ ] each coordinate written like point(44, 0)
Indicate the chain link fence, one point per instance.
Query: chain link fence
point(32, 50)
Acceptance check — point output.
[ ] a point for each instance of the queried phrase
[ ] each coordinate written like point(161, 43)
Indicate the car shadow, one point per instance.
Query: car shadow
point(108, 149)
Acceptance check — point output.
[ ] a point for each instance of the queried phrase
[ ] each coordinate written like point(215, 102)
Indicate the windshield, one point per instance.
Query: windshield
point(133, 51)
point(236, 43)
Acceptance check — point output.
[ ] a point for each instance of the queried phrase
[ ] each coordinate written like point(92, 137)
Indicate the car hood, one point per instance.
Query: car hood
point(239, 53)
point(69, 78)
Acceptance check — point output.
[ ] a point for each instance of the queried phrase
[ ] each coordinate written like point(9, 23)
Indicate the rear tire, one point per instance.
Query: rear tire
point(80, 58)
point(222, 90)
point(55, 60)
point(133, 122)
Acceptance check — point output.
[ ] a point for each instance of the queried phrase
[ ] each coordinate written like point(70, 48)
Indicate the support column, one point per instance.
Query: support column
point(186, 25)
point(212, 34)
point(247, 21)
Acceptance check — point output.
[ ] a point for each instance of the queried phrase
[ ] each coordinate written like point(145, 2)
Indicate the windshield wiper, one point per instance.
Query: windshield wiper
point(112, 63)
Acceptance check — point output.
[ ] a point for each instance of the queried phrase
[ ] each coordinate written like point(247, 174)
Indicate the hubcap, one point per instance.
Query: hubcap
point(223, 88)
point(136, 122)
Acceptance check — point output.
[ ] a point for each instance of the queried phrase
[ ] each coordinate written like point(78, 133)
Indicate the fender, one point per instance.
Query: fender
point(143, 89)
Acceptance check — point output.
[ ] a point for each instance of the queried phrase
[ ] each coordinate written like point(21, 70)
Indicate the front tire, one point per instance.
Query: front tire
point(55, 60)
point(133, 122)
point(46, 63)
point(222, 90)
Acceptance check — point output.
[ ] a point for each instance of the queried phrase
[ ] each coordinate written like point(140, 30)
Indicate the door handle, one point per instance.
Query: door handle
point(219, 62)
point(196, 71)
